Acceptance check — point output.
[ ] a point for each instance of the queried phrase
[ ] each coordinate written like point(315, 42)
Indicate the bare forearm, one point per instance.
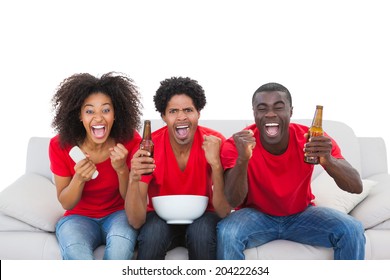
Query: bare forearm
point(345, 176)
point(123, 178)
point(71, 194)
point(220, 203)
point(135, 205)
point(236, 184)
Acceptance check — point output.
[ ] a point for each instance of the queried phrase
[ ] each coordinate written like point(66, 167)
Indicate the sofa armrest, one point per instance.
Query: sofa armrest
point(373, 156)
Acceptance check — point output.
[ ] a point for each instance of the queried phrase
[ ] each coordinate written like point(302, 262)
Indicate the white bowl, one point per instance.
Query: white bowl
point(180, 209)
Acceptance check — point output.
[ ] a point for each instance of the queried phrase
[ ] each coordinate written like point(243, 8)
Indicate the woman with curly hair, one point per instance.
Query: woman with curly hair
point(100, 116)
point(192, 153)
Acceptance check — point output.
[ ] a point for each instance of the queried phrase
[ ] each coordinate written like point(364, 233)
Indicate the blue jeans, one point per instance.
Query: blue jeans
point(156, 237)
point(79, 236)
point(317, 226)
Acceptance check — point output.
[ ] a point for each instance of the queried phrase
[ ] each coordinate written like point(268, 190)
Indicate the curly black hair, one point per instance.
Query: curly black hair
point(179, 85)
point(73, 91)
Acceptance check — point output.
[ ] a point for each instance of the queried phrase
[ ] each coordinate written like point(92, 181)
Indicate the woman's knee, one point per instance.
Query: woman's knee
point(77, 251)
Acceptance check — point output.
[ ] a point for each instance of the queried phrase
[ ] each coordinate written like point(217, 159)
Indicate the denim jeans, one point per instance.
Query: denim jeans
point(317, 226)
point(79, 236)
point(156, 237)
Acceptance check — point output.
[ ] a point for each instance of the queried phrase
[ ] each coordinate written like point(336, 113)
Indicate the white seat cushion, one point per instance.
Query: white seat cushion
point(33, 200)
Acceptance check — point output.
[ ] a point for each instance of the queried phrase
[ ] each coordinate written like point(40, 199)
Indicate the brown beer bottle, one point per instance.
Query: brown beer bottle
point(315, 130)
point(147, 143)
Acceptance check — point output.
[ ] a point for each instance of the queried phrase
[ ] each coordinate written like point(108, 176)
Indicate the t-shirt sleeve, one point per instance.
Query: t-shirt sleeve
point(336, 151)
point(59, 159)
point(132, 147)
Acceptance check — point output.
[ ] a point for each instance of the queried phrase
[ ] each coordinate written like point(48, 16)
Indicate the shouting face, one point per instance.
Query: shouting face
point(272, 112)
point(97, 116)
point(181, 118)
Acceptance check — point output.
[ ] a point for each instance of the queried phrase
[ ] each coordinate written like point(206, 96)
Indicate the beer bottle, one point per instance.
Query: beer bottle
point(147, 143)
point(315, 130)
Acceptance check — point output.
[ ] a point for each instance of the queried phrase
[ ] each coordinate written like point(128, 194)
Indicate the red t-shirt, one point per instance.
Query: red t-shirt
point(168, 179)
point(100, 196)
point(278, 185)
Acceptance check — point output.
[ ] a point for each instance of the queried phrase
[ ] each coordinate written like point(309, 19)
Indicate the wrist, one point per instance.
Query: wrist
point(216, 166)
point(122, 170)
point(242, 161)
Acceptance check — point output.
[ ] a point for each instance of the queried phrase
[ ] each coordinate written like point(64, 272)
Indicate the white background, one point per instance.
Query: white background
point(334, 53)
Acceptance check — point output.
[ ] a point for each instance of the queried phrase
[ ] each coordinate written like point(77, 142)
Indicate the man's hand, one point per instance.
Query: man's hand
point(212, 146)
point(141, 163)
point(245, 143)
point(319, 146)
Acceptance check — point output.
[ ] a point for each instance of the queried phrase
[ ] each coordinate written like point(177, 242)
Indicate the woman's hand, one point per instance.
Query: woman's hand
point(84, 169)
point(118, 156)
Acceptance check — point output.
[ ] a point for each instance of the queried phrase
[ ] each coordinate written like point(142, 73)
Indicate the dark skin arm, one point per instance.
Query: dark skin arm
point(137, 192)
point(211, 146)
point(345, 176)
point(236, 180)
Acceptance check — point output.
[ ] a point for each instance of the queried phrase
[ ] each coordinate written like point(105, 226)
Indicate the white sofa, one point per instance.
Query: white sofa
point(29, 208)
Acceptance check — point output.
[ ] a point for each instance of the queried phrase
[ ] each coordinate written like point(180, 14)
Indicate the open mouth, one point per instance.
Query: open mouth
point(98, 131)
point(272, 129)
point(182, 131)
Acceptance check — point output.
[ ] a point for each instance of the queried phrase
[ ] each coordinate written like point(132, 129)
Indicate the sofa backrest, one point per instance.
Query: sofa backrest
point(373, 156)
point(38, 156)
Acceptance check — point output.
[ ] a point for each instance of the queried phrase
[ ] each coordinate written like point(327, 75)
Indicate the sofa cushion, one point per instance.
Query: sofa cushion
point(382, 226)
point(11, 224)
point(20, 245)
point(328, 194)
point(375, 209)
point(288, 250)
point(32, 199)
